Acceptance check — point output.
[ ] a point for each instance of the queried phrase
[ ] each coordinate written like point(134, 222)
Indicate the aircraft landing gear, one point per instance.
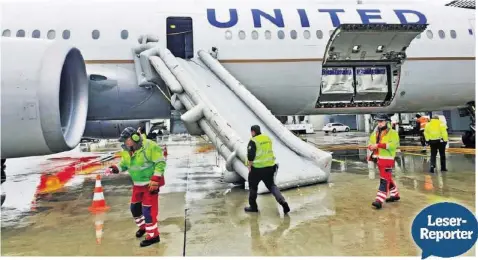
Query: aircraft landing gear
point(4, 178)
point(468, 137)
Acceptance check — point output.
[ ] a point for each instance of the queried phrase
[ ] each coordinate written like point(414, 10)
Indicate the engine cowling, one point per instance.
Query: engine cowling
point(110, 129)
point(114, 94)
point(44, 97)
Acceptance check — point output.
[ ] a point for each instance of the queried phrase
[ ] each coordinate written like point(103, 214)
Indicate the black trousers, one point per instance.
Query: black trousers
point(435, 147)
point(422, 137)
point(267, 176)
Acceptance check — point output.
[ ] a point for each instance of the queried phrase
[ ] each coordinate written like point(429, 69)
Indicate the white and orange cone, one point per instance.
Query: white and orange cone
point(99, 203)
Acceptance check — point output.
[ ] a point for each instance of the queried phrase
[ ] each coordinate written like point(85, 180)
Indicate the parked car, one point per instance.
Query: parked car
point(335, 127)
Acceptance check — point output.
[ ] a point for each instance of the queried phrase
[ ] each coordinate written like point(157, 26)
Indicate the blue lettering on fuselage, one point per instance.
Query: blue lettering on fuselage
point(367, 16)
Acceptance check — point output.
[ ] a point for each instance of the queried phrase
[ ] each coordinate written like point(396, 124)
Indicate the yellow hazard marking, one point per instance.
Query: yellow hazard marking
point(205, 148)
point(417, 154)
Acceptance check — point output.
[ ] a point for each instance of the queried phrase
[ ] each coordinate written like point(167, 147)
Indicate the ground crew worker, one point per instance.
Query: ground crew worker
point(262, 167)
point(422, 122)
point(437, 137)
point(144, 161)
point(383, 143)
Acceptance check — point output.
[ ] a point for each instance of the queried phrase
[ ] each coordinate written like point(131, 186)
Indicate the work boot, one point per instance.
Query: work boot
point(250, 209)
point(286, 208)
point(444, 170)
point(140, 232)
point(377, 204)
point(393, 199)
point(432, 169)
point(148, 242)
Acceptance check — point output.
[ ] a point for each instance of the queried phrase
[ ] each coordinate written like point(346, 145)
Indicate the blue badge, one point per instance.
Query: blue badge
point(444, 230)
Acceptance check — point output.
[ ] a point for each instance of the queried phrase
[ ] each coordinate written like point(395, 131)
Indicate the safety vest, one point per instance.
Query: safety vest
point(391, 139)
point(436, 130)
point(264, 154)
point(423, 122)
point(143, 163)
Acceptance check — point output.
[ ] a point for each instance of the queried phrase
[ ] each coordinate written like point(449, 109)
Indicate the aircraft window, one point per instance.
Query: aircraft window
point(429, 34)
point(441, 33)
point(307, 34)
point(124, 34)
point(293, 34)
point(268, 35)
point(6, 33)
point(66, 34)
point(280, 34)
point(453, 34)
point(470, 31)
point(255, 35)
point(51, 34)
point(36, 34)
point(228, 35)
point(20, 33)
point(95, 34)
point(242, 35)
point(319, 34)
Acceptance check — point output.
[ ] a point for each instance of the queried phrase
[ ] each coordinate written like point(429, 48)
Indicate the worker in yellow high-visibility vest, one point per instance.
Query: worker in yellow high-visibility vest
point(437, 137)
point(262, 167)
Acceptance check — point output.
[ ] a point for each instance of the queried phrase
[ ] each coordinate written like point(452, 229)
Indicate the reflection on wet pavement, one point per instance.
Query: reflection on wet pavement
point(201, 215)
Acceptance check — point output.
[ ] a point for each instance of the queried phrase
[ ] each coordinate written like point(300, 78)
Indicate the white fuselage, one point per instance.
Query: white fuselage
point(285, 74)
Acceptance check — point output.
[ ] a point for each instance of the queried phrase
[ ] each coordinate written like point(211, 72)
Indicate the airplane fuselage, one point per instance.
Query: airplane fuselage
point(275, 49)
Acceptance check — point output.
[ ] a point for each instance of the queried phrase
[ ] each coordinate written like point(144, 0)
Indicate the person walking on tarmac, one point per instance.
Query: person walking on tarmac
point(262, 167)
point(437, 137)
point(422, 122)
point(383, 143)
point(144, 161)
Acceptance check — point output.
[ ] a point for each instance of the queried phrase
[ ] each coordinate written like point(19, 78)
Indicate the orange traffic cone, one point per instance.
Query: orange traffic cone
point(99, 203)
point(165, 152)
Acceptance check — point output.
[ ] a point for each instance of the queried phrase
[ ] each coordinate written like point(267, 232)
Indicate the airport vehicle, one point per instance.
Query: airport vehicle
point(302, 128)
point(70, 67)
point(335, 127)
point(89, 140)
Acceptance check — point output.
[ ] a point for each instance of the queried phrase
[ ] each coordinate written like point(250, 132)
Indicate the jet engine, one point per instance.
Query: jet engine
point(44, 97)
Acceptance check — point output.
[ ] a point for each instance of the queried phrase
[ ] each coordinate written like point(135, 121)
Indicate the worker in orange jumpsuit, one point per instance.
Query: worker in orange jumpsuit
point(422, 122)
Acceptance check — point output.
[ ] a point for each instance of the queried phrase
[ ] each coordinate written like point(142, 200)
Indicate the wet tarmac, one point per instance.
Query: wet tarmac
point(202, 216)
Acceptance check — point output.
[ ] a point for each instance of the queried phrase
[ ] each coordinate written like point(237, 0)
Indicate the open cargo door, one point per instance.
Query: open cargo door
point(361, 63)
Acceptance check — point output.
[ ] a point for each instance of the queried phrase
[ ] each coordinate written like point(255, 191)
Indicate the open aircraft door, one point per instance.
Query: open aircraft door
point(361, 64)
